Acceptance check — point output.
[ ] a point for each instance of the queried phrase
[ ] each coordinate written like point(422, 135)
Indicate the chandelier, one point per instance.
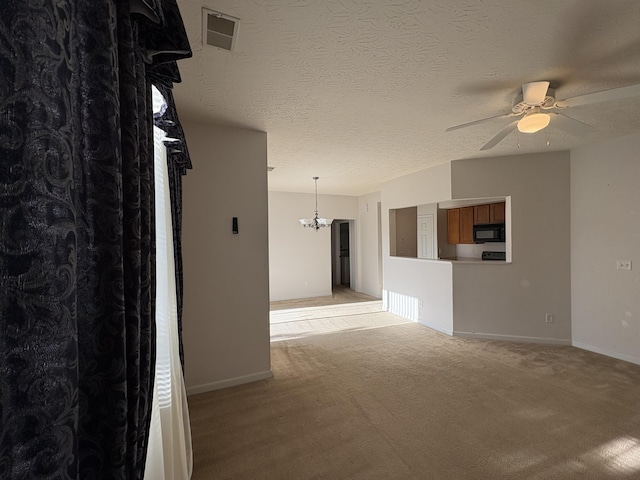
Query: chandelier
point(316, 222)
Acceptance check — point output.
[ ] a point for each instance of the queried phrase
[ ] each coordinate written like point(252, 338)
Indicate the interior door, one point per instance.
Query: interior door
point(426, 237)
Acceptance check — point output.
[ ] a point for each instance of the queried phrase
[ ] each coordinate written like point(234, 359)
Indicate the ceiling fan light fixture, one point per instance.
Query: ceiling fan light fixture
point(534, 122)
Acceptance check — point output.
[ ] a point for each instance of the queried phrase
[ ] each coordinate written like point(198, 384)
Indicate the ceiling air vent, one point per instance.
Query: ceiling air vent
point(219, 30)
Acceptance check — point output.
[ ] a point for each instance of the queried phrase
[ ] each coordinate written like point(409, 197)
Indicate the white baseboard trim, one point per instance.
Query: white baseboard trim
point(305, 295)
point(608, 353)
point(436, 328)
point(229, 382)
point(513, 338)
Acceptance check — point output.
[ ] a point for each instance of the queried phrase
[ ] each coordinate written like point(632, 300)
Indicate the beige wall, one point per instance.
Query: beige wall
point(605, 227)
point(226, 277)
point(487, 299)
point(407, 232)
point(510, 301)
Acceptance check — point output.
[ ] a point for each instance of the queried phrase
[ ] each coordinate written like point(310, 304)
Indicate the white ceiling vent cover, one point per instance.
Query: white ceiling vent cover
point(219, 30)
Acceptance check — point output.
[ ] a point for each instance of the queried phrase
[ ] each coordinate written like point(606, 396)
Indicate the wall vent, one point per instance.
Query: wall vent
point(219, 30)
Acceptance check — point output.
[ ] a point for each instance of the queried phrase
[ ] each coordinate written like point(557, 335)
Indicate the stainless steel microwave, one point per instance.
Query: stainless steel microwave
point(488, 233)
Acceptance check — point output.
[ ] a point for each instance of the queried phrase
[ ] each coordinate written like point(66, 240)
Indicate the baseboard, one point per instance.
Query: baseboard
point(305, 295)
point(436, 327)
point(608, 353)
point(229, 382)
point(513, 338)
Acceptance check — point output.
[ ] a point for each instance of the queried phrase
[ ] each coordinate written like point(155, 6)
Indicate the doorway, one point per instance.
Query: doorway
point(342, 254)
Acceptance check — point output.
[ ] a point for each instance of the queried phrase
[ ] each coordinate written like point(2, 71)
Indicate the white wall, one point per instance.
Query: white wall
point(300, 258)
point(226, 290)
point(416, 281)
point(421, 288)
point(369, 247)
point(426, 186)
point(511, 300)
point(605, 227)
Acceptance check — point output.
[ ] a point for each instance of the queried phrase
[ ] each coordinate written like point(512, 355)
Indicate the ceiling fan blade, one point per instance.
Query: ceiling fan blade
point(571, 125)
point(475, 122)
point(603, 96)
point(500, 136)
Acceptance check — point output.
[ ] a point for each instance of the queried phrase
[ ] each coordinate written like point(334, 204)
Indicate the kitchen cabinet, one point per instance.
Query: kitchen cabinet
point(453, 226)
point(460, 225)
point(460, 221)
point(466, 225)
point(481, 214)
point(489, 213)
point(497, 214)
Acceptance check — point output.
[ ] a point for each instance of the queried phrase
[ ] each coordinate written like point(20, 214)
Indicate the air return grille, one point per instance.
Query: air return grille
point(219, 30)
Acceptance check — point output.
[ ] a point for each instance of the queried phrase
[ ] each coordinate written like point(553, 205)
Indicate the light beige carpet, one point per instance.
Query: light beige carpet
point(400, 401)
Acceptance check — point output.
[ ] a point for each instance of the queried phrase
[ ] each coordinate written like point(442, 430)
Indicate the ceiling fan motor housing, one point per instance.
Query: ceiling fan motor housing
point(521, 106)
point(534, 92)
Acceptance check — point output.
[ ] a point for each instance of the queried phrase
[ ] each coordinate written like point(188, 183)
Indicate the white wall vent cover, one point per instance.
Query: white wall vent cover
point(219, 30)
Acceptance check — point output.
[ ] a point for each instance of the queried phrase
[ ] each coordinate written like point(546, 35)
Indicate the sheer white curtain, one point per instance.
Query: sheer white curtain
point(169, 455)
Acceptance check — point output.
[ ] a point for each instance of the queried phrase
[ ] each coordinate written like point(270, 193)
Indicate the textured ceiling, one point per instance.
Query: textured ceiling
point(359, 92)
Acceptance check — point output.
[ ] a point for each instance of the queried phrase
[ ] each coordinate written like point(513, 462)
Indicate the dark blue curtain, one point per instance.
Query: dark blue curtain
point(77, 221)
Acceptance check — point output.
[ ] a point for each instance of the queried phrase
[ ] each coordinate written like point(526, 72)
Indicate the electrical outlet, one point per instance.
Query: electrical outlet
point(623, 264)
point(548, 318)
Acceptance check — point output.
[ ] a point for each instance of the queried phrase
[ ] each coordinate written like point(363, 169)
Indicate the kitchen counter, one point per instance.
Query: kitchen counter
point(474, 260)
point(455, 260)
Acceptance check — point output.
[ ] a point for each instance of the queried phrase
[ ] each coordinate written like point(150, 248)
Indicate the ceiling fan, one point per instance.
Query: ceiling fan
point(537, 106)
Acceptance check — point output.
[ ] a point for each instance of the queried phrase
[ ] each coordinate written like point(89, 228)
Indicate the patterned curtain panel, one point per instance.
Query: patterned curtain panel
point(76, 219)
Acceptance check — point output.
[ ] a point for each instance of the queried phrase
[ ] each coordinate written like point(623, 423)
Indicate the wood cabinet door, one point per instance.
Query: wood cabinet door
point(453, 226)
point(498, 212)
point(466, 225)
point(481, 214)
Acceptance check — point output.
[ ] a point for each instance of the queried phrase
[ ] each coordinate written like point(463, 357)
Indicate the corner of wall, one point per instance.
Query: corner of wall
point(605, 222)
point(226, 310)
